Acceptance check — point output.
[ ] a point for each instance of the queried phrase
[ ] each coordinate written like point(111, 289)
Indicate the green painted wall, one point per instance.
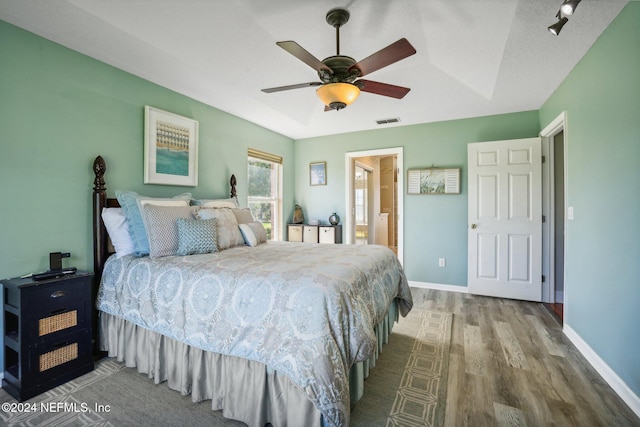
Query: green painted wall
point(58, 110)
point(602, 100)
point(434, 226)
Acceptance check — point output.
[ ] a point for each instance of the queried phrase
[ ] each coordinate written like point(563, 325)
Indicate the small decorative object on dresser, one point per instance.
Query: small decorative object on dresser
point(47, 333)
point(334, 219)
point(298, 216)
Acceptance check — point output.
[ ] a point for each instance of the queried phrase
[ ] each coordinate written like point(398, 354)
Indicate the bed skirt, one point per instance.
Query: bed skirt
point(242, 389)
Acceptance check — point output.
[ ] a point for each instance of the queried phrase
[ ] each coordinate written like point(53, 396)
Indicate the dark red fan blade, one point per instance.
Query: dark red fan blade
point(383, 89)
point(289, 87)
point(303, 55)
point(387, 56)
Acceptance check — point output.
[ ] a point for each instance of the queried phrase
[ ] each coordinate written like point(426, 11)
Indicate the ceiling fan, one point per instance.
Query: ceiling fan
point(340, 82)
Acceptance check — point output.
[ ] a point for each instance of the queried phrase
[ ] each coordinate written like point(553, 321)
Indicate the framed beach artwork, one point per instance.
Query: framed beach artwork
point(433, 181)
point(318, 173)
point(170, 148)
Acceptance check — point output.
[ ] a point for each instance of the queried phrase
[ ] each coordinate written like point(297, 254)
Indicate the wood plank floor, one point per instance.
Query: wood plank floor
point(511, 365)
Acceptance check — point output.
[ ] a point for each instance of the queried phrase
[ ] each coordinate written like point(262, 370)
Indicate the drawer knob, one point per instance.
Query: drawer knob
point(57, 294)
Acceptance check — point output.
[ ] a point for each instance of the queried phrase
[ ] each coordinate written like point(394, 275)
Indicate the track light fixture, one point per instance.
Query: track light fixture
point(566, 9)
point(555, 28)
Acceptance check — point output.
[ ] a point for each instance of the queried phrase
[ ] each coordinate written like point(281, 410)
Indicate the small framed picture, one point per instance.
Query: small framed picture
point(170, 148)
point(318, 173)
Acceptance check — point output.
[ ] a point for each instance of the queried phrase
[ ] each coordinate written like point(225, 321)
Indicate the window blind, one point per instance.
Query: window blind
point(256, 154)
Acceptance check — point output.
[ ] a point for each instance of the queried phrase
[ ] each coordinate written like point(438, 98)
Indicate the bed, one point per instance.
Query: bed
point(274, 332)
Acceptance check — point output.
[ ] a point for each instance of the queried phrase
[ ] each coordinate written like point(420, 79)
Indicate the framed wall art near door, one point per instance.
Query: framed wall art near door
point(170, 148)
point(433, 181)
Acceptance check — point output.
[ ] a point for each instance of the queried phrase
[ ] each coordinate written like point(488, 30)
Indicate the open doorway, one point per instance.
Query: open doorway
point(363, 202)
point(554, 148)
point(375, 185)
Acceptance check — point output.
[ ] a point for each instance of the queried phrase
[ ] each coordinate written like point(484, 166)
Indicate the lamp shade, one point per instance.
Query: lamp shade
point(555, 28)
point(338, 95)
point(568, 7)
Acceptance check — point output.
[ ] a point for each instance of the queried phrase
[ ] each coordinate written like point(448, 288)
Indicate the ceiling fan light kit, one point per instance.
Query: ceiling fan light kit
point(566, 9)
point(338, 95)
point(339, 74)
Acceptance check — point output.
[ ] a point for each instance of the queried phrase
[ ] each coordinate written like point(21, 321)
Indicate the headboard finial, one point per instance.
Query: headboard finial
point(232, 181)
point(99, 168)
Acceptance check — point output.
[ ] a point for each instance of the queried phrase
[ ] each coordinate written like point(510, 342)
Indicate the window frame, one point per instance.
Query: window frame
point(275, 200)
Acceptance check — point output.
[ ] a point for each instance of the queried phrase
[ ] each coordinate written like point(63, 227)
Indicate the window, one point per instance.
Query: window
point(265, 191)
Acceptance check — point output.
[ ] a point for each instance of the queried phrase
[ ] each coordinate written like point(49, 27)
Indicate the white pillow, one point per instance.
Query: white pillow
point(243, 216)
point(218, 203)
point(116, 224)
point(253, 233)
point(227, 226)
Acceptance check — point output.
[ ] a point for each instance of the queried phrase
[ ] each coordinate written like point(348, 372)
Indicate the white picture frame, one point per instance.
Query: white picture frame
point(433, 181)
point(170, 148)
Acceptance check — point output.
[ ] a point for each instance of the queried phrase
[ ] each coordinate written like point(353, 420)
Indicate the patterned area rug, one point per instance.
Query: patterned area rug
point(407, 388)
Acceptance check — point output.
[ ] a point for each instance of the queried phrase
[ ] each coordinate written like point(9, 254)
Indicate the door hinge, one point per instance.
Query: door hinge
point(544, 218)
point(544, 159)
point(543, 278)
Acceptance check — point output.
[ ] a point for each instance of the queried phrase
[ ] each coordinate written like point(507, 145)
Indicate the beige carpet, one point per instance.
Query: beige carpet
point(406, 388)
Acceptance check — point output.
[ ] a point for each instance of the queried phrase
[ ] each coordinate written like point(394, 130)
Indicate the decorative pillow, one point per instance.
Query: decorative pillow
point(196, 236)
point(228, 232)
point(118, 229)
point(253, 233)
point(215, 203)
point(162, 229)
point(131, 203)
point(243, 216)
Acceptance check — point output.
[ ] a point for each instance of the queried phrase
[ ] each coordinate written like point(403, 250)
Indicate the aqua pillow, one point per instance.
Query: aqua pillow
point(130, 202)
point(196, 236)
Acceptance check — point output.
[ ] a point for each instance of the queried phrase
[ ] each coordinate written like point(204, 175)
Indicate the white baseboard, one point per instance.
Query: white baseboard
point(439, 287)
point(616, 383)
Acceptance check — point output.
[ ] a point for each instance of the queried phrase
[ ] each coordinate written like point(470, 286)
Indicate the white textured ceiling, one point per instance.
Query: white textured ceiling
point(474, 57)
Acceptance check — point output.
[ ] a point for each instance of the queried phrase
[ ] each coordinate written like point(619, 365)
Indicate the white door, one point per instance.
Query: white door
point(505, 219)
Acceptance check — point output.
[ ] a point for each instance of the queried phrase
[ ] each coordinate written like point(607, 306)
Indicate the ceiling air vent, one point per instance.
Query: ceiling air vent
point(387, 121)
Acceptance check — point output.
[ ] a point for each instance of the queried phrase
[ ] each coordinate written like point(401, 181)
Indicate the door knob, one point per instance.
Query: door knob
point(474, 226)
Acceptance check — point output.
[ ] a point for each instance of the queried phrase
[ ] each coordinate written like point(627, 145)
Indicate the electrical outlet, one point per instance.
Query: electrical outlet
point(441, 262)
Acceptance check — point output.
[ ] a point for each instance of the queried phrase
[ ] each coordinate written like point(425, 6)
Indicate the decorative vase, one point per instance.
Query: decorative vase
point(298, 216)
point(334, 219)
